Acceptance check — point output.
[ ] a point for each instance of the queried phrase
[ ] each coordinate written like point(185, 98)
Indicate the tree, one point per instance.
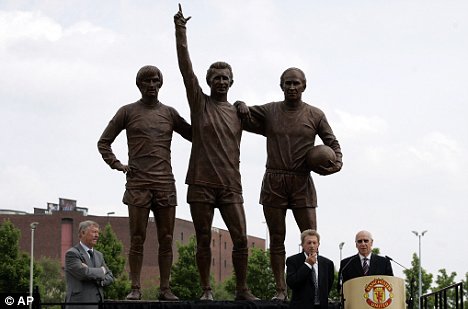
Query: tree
point(260, 278)
point(465, 288)
point(334, 294)
point(412, 280)
point(259, 274)
point(184, 272)
point(112, 249)
point(220, 292)
point(14, 265)
point(444, 280)
point(50, 281)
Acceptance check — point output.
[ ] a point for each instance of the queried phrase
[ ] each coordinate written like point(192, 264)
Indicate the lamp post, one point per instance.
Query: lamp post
point(31, 270)
point(109, 213)
point(419, 235)
point(341, 248)
point(266, 235)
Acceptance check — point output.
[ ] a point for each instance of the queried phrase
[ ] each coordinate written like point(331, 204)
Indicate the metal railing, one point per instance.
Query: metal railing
point(450, 297)
point(75, 305)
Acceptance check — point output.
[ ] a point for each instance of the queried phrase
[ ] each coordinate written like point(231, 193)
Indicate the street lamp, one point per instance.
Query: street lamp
point(266, 235)
point(419, 235)
point(109, 213)
point(31, 270)
point(341, 248)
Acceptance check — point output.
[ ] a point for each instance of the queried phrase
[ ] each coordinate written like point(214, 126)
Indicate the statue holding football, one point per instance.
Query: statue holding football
point(291, 127)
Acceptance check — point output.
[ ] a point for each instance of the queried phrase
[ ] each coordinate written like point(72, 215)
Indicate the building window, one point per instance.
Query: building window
point(213, 261)
point(213, 243)
point(66, 237)
point(225, 245)
point(224, 263)
point(253, 245)
point(182, 236)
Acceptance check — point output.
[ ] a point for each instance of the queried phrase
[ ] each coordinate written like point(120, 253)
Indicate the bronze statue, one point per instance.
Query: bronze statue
point(290, 127)
point(213, 175)
point(149, 125)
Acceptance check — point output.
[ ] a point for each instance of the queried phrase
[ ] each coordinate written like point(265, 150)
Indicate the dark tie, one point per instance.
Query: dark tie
point(365, 266)
point(316, 287)
point(91, 257)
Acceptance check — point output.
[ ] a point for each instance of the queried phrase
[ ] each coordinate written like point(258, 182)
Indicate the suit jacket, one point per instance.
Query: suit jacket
point(351, 267)
point(299, 279)
point(85, 284)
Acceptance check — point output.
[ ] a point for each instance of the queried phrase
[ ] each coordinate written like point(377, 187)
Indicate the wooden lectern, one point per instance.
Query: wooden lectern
point(374, 292)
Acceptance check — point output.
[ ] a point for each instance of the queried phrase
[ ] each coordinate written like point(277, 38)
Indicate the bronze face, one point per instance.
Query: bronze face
point(149, 86)
point(220, 81)
point(292, 86)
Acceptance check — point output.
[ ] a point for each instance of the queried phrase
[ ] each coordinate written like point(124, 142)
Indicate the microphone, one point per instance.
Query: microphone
point(345, 266)
point(392, 260)
point(410, 300)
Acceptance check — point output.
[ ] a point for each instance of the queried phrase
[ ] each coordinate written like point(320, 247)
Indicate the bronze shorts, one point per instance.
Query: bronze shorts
point(149, 198)
point(214, 196)
point(287, 190)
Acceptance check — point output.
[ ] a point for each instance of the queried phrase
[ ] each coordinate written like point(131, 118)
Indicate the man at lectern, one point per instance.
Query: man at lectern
point(365, 263)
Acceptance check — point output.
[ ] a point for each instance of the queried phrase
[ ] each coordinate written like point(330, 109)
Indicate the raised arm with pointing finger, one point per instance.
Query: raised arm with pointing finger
point(213, 175)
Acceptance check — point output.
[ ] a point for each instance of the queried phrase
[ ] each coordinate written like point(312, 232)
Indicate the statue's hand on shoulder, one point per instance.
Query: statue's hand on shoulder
point(242, 110)
point(179, 18)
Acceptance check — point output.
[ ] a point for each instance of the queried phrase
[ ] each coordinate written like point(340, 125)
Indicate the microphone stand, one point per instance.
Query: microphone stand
point(409, 301)
point(341, 281)
point(342, 299)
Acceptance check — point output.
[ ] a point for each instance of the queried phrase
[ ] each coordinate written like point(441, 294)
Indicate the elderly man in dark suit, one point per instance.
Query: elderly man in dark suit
point(365, 263)
point(309, 275)
point(86, 272)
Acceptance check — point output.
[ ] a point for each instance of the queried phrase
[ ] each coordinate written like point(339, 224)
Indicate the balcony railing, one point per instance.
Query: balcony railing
point(450, 297)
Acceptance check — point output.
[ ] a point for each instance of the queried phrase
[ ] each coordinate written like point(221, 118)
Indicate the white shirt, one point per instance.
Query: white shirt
point(362, 257)
point(315, 266)
point(86, 248)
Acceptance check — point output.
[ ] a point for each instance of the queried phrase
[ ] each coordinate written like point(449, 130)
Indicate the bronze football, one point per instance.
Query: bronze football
point(320, 156)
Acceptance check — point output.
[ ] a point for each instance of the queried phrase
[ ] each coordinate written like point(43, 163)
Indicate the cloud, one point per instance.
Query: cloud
point(33, 188)
point(22, 25)
point(438, 151)
point(352, 126)
point(34, 35)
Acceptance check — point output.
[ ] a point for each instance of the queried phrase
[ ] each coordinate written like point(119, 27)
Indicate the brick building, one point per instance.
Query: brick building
point(57, 231)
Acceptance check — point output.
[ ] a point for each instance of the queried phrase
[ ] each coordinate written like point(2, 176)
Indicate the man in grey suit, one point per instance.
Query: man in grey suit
point(86, 272)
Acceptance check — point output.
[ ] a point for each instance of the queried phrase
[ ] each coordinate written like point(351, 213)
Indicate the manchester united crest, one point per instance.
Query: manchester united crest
point(378, 293)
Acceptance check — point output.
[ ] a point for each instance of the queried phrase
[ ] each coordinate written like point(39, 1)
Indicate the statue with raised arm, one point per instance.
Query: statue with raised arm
point(213, 175)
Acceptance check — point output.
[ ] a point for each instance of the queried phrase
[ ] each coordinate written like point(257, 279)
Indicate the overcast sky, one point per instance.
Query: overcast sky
point(391, 77)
